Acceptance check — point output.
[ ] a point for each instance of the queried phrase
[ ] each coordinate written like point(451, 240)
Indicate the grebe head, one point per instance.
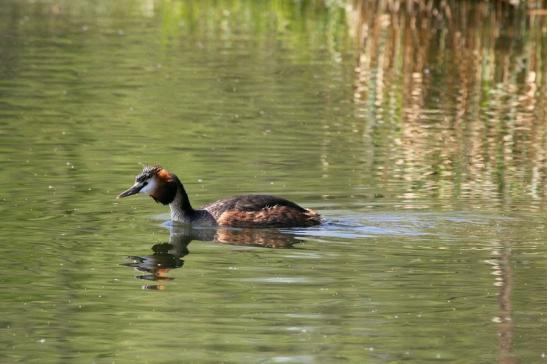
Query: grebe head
point(155, 181)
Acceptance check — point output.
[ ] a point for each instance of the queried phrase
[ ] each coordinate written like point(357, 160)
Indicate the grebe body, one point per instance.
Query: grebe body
point(239, 211)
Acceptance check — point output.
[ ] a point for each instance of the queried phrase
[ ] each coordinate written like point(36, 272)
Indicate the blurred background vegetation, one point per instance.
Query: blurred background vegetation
point(446, 97)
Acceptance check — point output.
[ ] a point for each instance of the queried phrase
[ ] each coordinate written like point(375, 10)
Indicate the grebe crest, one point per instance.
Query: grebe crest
point(157, 182)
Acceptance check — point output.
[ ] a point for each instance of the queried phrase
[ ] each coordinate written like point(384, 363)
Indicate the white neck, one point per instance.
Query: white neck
point(177, 214)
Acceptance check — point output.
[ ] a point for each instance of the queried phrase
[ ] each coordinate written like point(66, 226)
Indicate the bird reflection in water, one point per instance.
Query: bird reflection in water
point(167, 256)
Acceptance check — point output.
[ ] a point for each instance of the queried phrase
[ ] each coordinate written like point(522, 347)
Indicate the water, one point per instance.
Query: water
point(420, 138)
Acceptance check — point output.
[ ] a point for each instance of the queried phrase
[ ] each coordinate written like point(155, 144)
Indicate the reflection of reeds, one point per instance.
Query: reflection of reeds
point(503, 273)
point(449, 96)
point(463, 81)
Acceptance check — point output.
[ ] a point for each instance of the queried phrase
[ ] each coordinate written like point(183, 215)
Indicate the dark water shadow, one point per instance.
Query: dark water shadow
point(168, 255)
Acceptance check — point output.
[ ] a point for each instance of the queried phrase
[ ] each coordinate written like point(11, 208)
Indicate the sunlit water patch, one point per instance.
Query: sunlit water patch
point(349, 225)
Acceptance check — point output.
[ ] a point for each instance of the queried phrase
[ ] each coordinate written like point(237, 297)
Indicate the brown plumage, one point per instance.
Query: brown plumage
point(238, 211)
point(274, 216)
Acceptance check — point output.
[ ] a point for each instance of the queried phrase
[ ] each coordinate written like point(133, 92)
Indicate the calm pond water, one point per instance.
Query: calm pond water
point(419, 134)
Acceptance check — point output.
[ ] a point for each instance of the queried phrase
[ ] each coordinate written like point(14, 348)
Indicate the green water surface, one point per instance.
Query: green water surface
point(419, 135)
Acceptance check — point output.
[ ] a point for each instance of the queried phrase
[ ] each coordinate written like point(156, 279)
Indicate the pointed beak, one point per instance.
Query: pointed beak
point(132, 190)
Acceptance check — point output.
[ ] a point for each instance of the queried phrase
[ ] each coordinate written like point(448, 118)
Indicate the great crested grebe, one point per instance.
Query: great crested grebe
point(239, 211)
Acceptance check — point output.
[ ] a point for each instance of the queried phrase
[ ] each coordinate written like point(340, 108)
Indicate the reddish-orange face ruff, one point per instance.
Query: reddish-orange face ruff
point(163, 175)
